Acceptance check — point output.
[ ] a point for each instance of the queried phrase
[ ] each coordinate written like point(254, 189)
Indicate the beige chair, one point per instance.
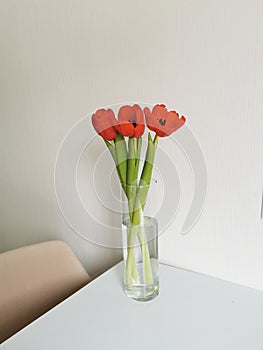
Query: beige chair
point(33, 279)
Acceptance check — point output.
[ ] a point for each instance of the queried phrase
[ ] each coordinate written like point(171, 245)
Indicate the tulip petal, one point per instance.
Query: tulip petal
point(103, 122)
point(130, 121)
point(162, 122)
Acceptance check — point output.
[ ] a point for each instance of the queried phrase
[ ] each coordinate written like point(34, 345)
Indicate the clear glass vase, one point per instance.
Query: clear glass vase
point(140, 256)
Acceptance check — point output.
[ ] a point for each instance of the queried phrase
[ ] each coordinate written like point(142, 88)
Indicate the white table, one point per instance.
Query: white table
point(192, 312)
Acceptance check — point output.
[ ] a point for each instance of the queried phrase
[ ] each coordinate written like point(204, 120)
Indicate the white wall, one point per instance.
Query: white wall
point(62, 59)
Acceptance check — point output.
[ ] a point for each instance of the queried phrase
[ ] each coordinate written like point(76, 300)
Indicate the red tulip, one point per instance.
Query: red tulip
point(104, 121)
point(162, 122)
point(130, 121)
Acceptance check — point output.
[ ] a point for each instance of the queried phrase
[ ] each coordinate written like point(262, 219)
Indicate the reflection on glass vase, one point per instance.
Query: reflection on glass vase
point(140, 256)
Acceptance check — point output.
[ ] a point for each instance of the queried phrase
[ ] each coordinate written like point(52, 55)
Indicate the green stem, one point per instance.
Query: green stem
point(131, 175)
point(121, 159)
point(147, 268)
point(138, 156)
point(112, 150)
point(111, 147)
point(136, 215)
point(140, 201)
point(145, 180)
point(146, 175)
point(131, 269)
point(127, 165)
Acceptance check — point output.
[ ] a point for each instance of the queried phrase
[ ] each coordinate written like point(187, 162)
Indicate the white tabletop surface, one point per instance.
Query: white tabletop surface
point(192, 312)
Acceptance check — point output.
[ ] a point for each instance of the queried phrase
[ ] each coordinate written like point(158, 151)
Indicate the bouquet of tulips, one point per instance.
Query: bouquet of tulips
point(131, 123)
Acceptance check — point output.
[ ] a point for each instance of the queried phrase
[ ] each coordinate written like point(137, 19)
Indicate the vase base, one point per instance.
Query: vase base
point(142, 292)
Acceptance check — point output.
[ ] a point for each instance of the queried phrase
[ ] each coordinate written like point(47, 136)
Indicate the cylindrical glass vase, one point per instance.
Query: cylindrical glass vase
point(140, 257)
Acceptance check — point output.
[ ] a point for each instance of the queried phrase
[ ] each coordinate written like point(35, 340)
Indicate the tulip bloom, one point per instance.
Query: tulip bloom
point(130, 121)
point(162, 122)
point(135, 181)
point(104, 121)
